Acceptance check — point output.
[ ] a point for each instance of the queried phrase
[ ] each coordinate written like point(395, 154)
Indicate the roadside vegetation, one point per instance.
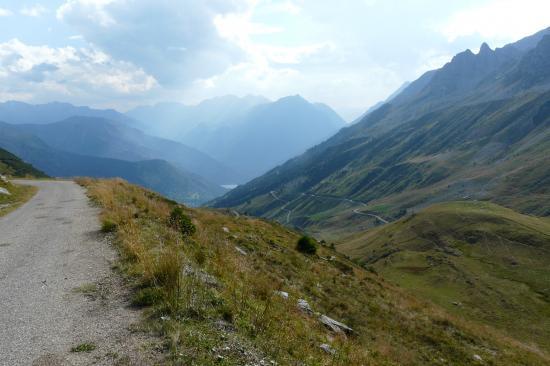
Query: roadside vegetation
point(18, 195)
point(227, 290)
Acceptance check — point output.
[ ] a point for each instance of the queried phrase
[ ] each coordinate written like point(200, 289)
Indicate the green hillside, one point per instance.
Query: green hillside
point(13, 166)
point(478, 260)
point(477, 128)
point(227, 292)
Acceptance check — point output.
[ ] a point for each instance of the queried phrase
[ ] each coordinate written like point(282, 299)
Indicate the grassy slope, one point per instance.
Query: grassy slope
point(493, 150)
point(11, 165)
point(19, 195)
point(237, 315)
point(490, 260)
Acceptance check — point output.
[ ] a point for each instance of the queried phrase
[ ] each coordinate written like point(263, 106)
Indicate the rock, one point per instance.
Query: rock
point(3, 178)
point(225, 230)
point(304, 306)
point(201, 275)
point(328, 349)
point(5, 191)
point(478, 358)
point(241, 250)
point(282, 294)
point(335, 325)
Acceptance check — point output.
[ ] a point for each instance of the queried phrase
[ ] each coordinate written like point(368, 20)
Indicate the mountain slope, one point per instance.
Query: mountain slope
point(478, 260)
point(23, 113)
point(175, 120)
point(237, 298)
point(493, 149)
point(268, 135)
point(157, 175)
point(14, 166)
point(109, 139)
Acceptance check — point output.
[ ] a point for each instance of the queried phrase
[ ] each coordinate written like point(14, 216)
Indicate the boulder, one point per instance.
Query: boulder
point(328, 349)
point(335, 325)
point(282, 294)
point(5, 191)
point(303, 305)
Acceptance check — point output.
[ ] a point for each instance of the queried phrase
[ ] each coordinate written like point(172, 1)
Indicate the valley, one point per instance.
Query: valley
point(274, 183)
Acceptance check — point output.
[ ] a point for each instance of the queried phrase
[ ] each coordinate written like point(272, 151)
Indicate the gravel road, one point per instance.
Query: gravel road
point(57, 288)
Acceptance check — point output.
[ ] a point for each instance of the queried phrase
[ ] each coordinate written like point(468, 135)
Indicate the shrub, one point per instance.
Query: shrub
point(108, 226)
point(84, 347)
point(147, 297)
point(307, 245)
point(181, 222)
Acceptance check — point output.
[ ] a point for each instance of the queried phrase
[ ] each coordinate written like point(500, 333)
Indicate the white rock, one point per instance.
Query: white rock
point(478, 358)
point(328, 349)
point(335, 325)
point(282, 294)
point(226, 230)
point(304, 306)
point(3, 178)
point(241, 250)
point(5, 191)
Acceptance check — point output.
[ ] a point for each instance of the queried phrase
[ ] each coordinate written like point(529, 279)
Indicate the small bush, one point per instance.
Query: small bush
point(147, 297)
point(181, 222)
point(306, 245)
point(84, 347)
point(108, 226)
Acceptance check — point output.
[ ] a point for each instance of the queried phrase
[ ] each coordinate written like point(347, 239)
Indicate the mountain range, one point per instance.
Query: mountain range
point(250, 135)
point(478, 128)
point(158, 175)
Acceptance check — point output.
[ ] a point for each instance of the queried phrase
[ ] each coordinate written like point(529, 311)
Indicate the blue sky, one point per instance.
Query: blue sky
point(348, 53)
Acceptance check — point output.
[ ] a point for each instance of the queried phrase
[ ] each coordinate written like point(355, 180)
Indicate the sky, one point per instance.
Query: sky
point(349, 54)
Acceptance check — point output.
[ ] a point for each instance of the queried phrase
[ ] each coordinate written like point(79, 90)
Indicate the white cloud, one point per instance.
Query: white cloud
point(5, 12)
point(499, 20)
point(67, 73)
point(175, 41)
point(34, 11)
point(93, 11)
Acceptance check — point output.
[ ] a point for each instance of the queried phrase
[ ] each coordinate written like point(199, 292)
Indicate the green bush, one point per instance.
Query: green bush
point(147, 297)
point(108, 226)
point(181, 222)
point(306, 245)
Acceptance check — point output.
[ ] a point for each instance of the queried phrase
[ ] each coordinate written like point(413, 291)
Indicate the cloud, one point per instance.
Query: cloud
point(5, 12)
point(67, 73)
point(34, 11)
point(502, 20)
point(175, 41)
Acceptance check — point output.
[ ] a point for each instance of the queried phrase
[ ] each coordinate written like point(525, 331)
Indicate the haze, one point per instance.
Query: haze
point(124, 53)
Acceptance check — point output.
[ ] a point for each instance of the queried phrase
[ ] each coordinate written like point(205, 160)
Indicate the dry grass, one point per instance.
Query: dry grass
point(215, 305)
point(19, 195)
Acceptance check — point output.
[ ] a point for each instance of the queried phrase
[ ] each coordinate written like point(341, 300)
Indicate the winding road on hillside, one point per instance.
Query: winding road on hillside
point(57, 288)
point(353, 202)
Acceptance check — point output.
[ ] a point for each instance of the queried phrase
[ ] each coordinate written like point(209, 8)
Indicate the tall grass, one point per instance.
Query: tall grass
point(216, 305)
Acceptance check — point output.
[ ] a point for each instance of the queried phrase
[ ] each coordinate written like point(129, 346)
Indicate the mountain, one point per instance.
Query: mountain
point(476, 259)
point(250, 135)
point(268, 135)
point(157, 175)
point(14, 166)
point(477, 128)
point(23, 113)
point(248, 287)
point(110, 139)
point(176, 120)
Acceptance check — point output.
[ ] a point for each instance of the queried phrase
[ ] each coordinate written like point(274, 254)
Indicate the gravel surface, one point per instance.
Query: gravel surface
point(57, 288)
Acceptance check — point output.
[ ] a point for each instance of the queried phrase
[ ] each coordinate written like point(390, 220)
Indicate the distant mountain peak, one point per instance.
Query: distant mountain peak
point(484, 49)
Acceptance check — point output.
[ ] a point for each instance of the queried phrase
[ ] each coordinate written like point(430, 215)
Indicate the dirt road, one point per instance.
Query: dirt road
point(57, 288)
